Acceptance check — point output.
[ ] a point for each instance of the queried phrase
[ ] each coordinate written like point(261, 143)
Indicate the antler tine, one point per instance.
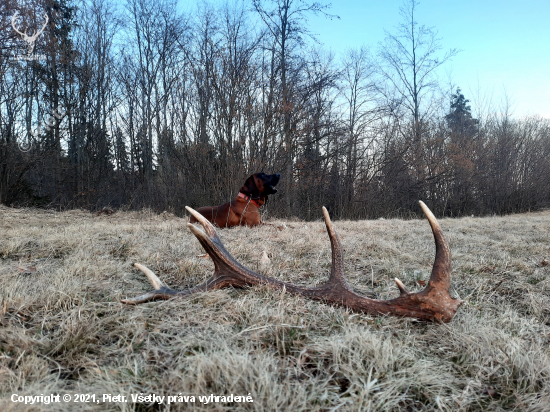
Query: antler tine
point(212, 244)
point(441, 271)
point(146, 297)
point(402, 289)
point(337, 268)
point(210, 230)
point(161, 290)
point(155, 281)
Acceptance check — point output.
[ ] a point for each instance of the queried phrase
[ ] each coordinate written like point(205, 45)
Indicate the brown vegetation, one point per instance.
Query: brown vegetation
point(64, 330)
point(140, 106)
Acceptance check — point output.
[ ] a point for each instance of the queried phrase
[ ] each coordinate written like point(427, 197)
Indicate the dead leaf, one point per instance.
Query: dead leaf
point(26, 270)
point(490, 391)
point(19, 314)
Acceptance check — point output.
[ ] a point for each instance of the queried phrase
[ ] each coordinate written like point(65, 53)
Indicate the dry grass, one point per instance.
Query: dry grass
point(63, 329)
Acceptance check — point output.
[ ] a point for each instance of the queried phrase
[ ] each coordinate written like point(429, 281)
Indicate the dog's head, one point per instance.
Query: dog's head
point(260, 185)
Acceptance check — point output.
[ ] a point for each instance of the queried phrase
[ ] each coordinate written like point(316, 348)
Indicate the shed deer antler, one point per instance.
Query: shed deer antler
point(434, 303)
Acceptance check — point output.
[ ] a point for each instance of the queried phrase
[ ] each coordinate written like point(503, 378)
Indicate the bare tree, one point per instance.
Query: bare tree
point(319, 138)
point(359, 91)
point(409, 60)
point(286, 22)
point(162, 110)
point(233, 83)
point(155, 33)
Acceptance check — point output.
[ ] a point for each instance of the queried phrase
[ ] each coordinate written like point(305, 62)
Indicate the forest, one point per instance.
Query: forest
point(136, 104)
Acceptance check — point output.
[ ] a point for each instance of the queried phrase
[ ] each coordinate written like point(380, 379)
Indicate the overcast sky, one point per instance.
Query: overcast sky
point(505, 43)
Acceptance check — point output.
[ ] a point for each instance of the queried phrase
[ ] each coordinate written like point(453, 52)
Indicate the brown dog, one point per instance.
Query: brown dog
point(245, 208)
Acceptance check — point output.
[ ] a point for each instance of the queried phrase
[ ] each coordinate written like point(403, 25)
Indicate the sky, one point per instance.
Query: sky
point(505, 44)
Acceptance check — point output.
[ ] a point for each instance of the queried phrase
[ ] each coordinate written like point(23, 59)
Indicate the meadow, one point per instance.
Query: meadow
point(64, 331)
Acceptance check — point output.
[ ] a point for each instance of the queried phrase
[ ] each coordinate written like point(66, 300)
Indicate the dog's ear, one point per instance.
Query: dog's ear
point(250, 188)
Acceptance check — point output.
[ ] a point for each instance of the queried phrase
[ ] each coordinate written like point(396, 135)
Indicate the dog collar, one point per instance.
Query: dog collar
point(245, 197)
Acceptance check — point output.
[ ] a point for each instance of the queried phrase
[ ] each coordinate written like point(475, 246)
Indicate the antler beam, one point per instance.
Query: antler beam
point(434, 303)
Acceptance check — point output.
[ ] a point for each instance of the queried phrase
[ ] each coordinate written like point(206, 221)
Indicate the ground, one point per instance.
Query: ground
point(64, 331)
